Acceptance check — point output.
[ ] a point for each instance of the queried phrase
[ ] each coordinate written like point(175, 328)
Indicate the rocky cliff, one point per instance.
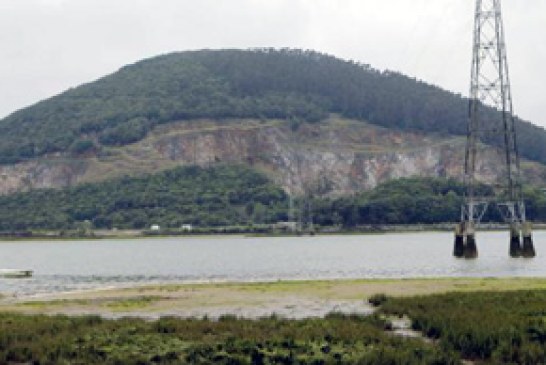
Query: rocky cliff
point(333, 157)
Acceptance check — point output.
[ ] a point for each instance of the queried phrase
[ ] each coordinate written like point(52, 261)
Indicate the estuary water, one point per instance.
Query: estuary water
point(61, 266)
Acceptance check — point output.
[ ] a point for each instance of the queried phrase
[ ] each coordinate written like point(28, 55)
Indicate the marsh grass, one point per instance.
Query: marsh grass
point(336, 339)
point(497, 327)
point(489, 326)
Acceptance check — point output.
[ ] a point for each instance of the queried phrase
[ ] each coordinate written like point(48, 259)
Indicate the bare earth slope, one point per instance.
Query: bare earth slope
point(339, 155)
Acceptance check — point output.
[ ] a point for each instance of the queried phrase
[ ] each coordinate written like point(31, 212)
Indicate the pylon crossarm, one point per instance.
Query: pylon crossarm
point(512, 212)
point(474, 211)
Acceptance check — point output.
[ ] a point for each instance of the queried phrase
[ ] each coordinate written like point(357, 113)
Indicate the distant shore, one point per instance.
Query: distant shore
point(242, 231)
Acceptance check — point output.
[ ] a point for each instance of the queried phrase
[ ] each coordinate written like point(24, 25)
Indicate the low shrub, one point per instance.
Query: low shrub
point(377, 299)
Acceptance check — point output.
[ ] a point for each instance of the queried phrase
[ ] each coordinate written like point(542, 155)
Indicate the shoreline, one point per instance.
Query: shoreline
point(290, 299)
point(137, 235)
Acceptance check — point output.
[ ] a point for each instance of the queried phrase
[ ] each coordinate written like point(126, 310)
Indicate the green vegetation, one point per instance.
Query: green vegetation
point(286, 84)
point(413, 201)
point(136, 302)
point(404, 201)
point(336, 339)
point(231, 199)
point(500, 328)
point(218, 196)
point(377, 299)
point(488, 327)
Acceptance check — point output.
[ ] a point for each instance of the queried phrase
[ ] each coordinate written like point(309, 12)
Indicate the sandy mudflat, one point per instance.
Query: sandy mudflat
point(290, 299)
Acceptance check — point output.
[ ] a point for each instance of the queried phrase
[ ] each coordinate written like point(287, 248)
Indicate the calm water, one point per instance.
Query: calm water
point(65, 266)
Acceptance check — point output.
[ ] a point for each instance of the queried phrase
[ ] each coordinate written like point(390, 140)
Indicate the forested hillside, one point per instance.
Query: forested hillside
point(286, 84)
point(415, 201)
point(224, 195)
point(235, 196)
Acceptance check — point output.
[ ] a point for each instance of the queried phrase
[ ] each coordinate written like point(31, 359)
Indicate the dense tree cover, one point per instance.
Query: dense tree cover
point(336, 339)
point(264, 83)
point(500, 328)
point(200, 196)
point(414, 201)
point(403, 201)
point(235, 196)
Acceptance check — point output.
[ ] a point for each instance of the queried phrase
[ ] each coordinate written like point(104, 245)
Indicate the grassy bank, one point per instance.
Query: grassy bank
point(485, 321)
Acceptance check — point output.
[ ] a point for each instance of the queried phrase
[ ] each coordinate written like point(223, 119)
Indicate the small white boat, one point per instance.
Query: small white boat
point(15, 274)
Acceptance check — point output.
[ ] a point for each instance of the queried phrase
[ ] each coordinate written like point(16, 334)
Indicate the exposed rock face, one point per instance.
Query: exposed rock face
point(40, 174)
point(335, 157)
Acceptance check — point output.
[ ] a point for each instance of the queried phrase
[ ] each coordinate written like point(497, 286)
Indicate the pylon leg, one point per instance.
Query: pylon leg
point(470, 248)
point(528, 249)
point(515, 242)
point(458, 250)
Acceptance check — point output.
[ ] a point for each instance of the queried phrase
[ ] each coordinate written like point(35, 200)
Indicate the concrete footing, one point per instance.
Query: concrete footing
point(521, 241)
point(470, 249)
point(515, 246)
point(528, 248)
point(458, 250)
point(518, 248)
point(465, 241)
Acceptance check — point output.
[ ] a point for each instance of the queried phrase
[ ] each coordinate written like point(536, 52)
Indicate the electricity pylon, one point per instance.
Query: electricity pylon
point(490, 87)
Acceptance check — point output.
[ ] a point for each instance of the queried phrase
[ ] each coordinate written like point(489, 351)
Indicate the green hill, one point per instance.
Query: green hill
point(223, 195)
point(233, 196)
point(287, 84)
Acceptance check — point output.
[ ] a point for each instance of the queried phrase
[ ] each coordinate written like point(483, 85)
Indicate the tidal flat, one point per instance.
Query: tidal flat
point(287, 299)
point(414, 321)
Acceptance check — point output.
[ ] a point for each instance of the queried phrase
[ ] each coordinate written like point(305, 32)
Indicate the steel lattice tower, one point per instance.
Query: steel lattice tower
point(490, 88)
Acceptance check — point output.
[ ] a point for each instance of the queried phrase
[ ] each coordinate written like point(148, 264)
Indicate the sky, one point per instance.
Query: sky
point(48, 46)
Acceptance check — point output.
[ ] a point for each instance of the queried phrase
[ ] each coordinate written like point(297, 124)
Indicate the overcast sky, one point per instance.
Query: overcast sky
point(51, 45)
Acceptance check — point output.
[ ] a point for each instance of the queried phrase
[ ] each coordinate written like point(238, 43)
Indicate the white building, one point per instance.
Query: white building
point(187, 227)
